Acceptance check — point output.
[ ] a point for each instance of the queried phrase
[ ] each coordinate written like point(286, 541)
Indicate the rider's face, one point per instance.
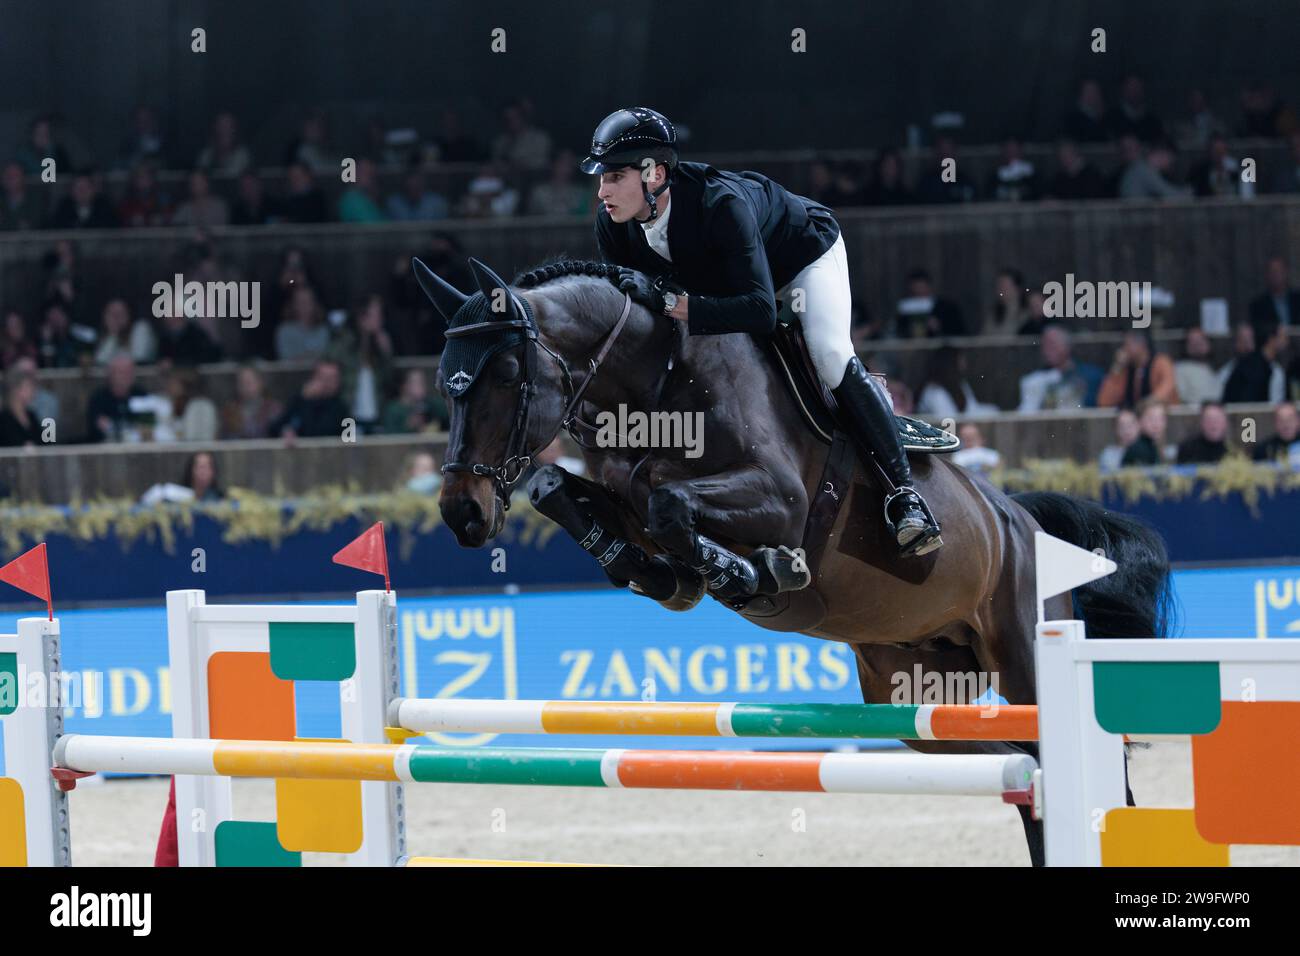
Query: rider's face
point(620, 191)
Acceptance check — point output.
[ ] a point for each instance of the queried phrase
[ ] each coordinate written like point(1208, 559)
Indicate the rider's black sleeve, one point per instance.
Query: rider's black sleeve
point(752, 305)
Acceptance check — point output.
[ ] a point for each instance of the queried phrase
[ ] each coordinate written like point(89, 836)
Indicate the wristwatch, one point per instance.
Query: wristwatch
point(670, 302)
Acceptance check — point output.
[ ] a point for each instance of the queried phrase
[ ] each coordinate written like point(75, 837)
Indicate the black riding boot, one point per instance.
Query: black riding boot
point(872, 426)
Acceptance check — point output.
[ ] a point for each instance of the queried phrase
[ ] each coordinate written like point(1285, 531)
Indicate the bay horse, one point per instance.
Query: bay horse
point(563, 344)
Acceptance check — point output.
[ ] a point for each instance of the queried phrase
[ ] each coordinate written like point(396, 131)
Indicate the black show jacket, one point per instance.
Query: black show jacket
point(735, 238)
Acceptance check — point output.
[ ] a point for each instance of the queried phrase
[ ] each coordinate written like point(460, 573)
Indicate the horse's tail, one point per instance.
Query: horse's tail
point(1135, 601)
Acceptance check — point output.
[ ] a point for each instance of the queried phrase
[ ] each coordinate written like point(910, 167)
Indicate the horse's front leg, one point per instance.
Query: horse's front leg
point(744, 507)
point(587, 512)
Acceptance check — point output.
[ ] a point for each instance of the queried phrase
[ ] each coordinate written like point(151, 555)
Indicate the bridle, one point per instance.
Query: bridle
point(517, 457)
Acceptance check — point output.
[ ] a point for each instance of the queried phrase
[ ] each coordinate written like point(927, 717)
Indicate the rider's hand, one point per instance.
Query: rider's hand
point(642, 289)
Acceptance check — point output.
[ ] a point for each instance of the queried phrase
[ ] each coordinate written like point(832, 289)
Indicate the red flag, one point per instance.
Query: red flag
point(30, 572)
point(368, 552)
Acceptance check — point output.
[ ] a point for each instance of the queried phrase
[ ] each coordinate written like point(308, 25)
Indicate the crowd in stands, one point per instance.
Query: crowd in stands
point(518, 170)
point(352, 347)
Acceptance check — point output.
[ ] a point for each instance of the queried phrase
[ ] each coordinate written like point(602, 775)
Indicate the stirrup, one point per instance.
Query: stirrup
point(928, 539)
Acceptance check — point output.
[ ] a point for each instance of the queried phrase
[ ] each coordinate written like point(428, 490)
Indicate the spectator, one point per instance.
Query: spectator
point(415, 409)
point(1076, 178)
point(144, 204)
point(1279, 303)
point(294, 270)
point(250, 413)
point(1196, 379)
point(1010, 305)
point(1151, 447)
point(201, 477)
point(83, 207)
point(1138, 373)
point(520, 145)
point(846, 189)
point(18, 422)
point(1127, 432)
point(421, 475)
point(417, 329)
point(1243, 343)
point(17, 342)
point(1133, 118)
point(360, 201)
point(302, 333)
point(108, 413)
point(1285, 442)
point(1263, 114)
point(251, 207)
point(1062, 383)
point(310, 149)
point(182, 341)
point(60, 267)
point(923, 314)
point(21, 208)
point(941, 183)
point(1087, 122)
point(490, 196)
point(888, 185)
point(1201, 124)
point(946, 393)
point(46, 403)
point(190, 415)
point(62, 342)
point(455, 145)
point(416, 202)
point(304, 201)
point(144, 143)
point(1258, 377)
point(1014, 180)
point(120, 336)
point(1037, 319)
point(1287, 178)
point(1210, 443)
point(1144, 176)
point(901, 397)
point(1220, 174)
point(561, 194)
point(41, 146)
point(201, 209)
point(364, 354)
point(224, 155)
point(317, 411)
point(974, 454)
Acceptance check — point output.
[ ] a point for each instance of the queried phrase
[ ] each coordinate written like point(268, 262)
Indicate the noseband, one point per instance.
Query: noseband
point(517, 458)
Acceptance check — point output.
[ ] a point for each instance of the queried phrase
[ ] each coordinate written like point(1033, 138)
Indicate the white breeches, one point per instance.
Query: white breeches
point(823, 311)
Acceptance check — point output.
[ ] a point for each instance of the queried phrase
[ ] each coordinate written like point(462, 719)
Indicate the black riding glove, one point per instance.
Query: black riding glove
point(642, 289)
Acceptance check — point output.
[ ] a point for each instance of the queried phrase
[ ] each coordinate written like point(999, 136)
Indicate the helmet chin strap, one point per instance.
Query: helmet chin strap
point(650, 198)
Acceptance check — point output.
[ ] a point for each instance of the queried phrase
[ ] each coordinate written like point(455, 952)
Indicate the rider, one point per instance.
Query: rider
point(718, 249)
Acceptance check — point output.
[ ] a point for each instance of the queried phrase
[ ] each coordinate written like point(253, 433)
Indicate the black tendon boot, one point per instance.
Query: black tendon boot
point(871, 425)
point(729, 576)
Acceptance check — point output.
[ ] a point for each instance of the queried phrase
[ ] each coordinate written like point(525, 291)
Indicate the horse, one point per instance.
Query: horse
point(562, 345)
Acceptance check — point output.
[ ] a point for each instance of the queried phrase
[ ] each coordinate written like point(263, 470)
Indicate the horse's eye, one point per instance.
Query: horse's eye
point(506, 369)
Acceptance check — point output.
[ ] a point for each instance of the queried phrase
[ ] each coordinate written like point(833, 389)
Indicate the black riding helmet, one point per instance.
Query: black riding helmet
point(629, 137)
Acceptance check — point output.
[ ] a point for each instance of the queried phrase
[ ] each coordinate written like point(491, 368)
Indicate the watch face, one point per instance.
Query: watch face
point(670, 301)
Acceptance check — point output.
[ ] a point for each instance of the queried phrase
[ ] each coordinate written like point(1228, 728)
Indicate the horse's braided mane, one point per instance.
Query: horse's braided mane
point(562, 268)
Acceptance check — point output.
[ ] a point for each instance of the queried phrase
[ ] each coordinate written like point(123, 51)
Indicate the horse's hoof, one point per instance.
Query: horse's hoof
point(690, 586)
point(777, 570)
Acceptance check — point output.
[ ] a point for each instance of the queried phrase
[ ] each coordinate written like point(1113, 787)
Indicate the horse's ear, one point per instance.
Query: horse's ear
point(489, 282)
point(444, 296)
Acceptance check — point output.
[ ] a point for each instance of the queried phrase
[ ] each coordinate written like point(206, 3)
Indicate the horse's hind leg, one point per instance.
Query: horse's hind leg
point(586, 511)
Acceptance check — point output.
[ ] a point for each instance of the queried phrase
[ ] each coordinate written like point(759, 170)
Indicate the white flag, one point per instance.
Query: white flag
point(1061, 566)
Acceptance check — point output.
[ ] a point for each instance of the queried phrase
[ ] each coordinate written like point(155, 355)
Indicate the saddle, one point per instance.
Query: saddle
point(788, 351)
